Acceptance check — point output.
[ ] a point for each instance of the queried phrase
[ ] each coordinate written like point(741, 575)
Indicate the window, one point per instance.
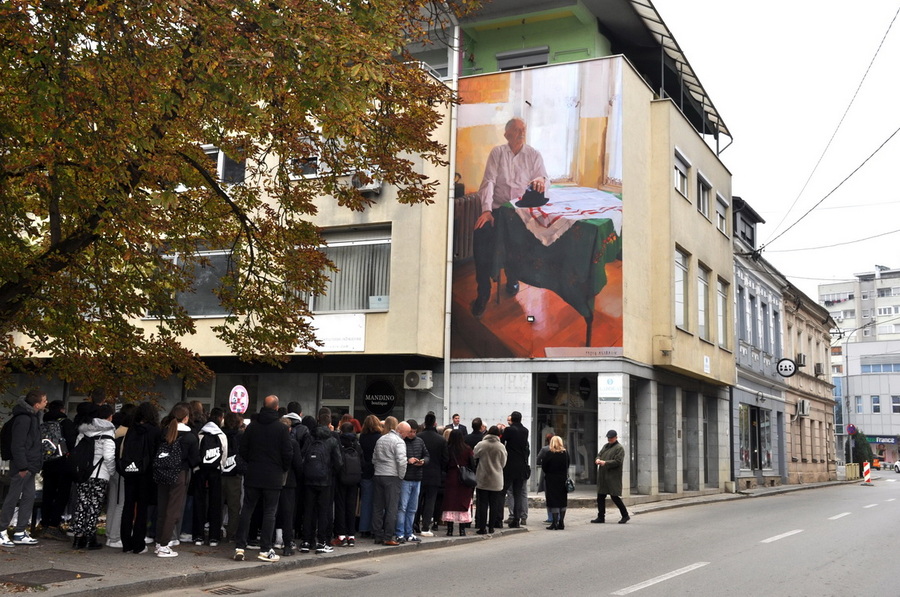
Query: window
point(362, 282)
point(722, 313)
point(895, 405)
point(867, 332)
point(766, 322)
point(850, 313)
point(866, 314)
point(722, 215)
point(227, 170)
point(883, 292)
point(858, 400)
point(704, 190)
point(203, 302)
point(743, 309)
point(681, 288)
point(746, 231)
point(864, 295)
point(703, 302)
point(681, 175)
point(837, 369)
point(837, 351)
point(755, 324)
point(876, 404)
point(523, 58)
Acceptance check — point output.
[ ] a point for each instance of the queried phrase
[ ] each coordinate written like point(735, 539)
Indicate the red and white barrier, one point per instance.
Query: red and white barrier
point(867, 474)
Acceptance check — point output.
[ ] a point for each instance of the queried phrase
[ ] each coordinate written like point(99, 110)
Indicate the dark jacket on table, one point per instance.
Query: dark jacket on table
point(25, 439)
point(609, 476)
point(415, 448)
point(335, 457)
point(267, 451)
point(433, 471)
point(556, 468)
point(515, 438)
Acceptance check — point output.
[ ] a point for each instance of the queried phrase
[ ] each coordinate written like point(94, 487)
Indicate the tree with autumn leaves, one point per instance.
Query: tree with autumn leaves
point(109, 113)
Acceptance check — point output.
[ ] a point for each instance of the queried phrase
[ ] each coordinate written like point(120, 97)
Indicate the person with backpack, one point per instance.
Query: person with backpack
point(208, 479)
point(233, 473)
point(94, 463)
point(322, 462)
point(20, 443)
point(301, 435)
point(176, 456)
point(346, 489)
point(57, 481)
point(432, 473)
point(266, 448)
point(115, 492)
point(134, 460)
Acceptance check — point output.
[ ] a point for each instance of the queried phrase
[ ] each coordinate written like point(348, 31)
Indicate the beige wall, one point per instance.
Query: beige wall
point(664, 219)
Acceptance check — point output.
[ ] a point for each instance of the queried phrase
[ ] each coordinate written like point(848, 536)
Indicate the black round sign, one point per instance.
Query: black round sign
point(379, 397)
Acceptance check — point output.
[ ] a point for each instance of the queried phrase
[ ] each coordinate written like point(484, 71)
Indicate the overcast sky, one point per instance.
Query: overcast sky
point(781, 75)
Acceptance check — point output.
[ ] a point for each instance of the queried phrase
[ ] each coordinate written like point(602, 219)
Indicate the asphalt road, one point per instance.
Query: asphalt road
point(838, 540)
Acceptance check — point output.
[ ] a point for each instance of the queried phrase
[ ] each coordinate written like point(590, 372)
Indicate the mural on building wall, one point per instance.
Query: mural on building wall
point(538, 214)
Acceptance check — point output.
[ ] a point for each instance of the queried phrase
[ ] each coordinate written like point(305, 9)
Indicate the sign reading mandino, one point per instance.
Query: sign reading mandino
point(786, 367)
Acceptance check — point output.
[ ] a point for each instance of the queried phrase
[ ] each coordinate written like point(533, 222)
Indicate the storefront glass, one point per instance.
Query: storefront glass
point(567, 407)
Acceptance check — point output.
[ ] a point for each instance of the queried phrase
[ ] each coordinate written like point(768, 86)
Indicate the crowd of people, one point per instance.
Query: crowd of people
point(284, 481)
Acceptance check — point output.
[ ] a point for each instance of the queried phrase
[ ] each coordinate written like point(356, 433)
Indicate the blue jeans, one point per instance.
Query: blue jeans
point(366, 496)
point(409, 503)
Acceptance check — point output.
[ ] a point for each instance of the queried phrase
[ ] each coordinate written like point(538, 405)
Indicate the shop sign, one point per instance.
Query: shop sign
point(610, 387)
point(379, 397)
point(881, 439)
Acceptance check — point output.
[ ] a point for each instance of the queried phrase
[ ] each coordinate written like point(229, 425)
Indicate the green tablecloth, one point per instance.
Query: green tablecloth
point(574, 267)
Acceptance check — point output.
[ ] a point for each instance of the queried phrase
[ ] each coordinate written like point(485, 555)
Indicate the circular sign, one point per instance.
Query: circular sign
point(552, 384)
point(379, 397)
point(238, 400)
point(786, 367)
point(851, 429)
point(584, 388)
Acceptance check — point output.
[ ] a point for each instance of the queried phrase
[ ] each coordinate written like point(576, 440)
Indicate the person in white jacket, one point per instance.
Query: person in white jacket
point(92, 492)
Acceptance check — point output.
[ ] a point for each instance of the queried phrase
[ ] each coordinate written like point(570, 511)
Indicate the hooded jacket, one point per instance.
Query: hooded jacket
point(266, 448)
point(26, 438)
point(389, 457)
point(211, 428)
point(104, 446)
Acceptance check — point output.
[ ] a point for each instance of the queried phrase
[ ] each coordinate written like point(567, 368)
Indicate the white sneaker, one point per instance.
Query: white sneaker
point(186, 537)
point(427, 534)
point(213, 543)
point(114, 544)
point(163, 551)
point(4, 540)
point(268, 556)
point(174, 543)
point(145, 550)
point(149, 540)
point(238, 555)
point(23, 538)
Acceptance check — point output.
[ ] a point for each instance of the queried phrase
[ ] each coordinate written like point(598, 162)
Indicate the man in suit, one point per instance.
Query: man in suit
point(456, 425)
point(515, 473)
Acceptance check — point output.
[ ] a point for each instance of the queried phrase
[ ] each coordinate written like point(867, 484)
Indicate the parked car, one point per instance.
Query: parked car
point(897, 467)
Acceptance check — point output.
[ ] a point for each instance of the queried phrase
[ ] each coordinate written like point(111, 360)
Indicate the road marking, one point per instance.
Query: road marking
point(841, 515)
point(659, 579)
point(781, 536)
point(870, 506)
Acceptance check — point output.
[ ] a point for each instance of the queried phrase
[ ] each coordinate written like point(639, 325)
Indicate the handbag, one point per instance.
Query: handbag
point(570, 485)
point(466, 476)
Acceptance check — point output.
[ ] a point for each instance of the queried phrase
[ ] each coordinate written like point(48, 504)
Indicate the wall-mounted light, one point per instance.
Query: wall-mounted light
point(529, 318)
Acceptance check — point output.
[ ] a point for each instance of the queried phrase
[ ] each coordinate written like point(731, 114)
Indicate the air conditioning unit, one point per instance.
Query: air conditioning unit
point(364, 182)
point(819, 369)
point(803, 407)
point(418, 380)
point(801, 360)
point(839, 318)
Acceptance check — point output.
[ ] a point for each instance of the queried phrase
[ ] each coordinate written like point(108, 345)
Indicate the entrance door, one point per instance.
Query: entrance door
point(567, 407)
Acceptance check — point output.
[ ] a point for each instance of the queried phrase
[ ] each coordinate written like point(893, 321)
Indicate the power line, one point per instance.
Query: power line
point(849, 242)
point(834, 134)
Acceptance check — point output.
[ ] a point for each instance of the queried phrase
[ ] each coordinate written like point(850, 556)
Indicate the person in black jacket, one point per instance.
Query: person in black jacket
point(57, 480)
point(139, 489)
point(233, 473)
point(322, 462)
point(515, 473)
point(346, 489)
point(287, 501)
point(170, 498)
point(267, 451)
point(432, 472)
point(417, 457)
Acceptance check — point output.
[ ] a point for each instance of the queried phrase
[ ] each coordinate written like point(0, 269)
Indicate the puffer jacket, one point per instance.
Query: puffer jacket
point(389, 457)
point(104, 447)
point(26, 438)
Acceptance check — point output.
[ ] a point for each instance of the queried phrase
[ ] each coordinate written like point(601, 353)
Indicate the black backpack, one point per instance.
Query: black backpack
point(6, 438)
point(317, 463)
point(81, 459)
point(167, 464)
point(134, 453)
point(53, 444)
point(210, 452)
point(351, 474)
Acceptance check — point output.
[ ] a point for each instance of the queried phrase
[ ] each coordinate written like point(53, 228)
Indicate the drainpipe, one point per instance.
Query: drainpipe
point(453, 73)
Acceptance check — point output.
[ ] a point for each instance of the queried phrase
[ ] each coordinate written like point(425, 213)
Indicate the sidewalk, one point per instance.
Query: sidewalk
point(53, 568)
